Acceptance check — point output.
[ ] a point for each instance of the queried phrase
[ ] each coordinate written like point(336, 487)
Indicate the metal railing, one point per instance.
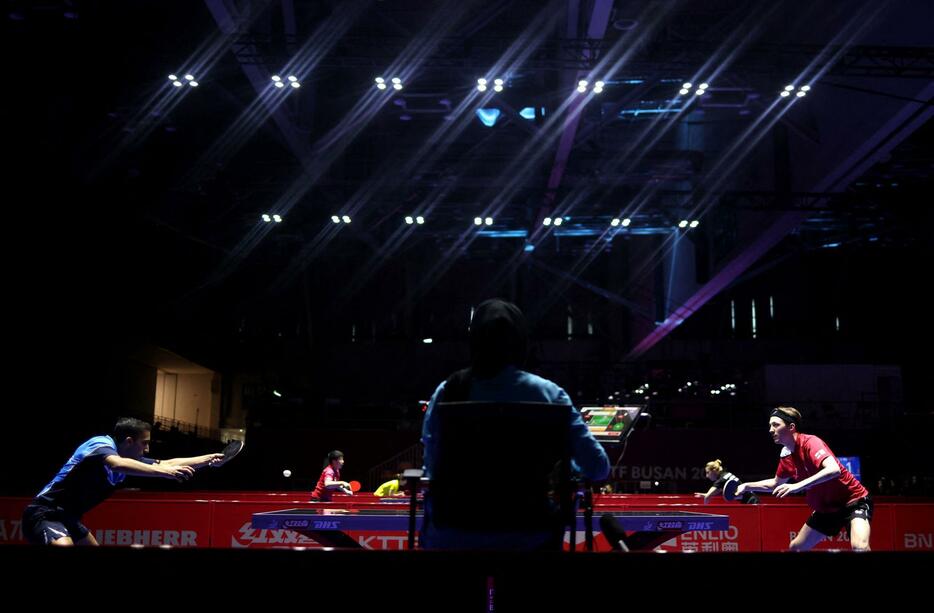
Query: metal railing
point(411, 456)
point(174, 425)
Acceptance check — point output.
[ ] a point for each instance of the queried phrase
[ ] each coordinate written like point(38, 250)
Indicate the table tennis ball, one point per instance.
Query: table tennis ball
point(286, 473)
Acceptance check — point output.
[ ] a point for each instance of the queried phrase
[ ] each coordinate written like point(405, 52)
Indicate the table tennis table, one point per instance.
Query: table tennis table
point(329, 527)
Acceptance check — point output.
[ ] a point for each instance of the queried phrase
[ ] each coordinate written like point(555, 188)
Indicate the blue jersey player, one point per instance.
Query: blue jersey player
point(91, 475)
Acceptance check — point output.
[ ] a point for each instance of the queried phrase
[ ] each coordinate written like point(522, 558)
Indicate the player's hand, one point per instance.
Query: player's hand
point(179, 473)
point(785, 489)
point(741, 489)
point(215, 459)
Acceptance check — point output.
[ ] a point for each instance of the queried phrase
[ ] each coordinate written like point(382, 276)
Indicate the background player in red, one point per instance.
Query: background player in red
point(329, 481)
point(837, 498)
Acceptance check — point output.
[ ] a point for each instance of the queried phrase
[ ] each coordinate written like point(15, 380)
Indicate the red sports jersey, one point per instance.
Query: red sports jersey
point(806, 459)
point(320, 492)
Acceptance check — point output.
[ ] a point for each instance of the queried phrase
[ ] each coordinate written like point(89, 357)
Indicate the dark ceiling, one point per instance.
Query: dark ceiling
point(136, 213)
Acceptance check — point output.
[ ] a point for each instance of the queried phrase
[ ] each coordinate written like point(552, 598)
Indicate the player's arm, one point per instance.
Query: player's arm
point(830, 469)
point(129, 466)
point(208, 459)
point(333, 484)
point(766, 485)
point(706, 496)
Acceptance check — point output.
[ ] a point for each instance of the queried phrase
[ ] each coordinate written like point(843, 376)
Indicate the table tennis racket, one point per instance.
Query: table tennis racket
point(729, 489)
point(231, 451)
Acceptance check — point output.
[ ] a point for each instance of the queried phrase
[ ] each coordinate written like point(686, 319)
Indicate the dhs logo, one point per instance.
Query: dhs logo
point(700, 525)
point(326, 525)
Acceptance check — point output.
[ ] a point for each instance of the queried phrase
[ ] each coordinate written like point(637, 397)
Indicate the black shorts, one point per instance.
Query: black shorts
point(830, 524)
point(42, 525)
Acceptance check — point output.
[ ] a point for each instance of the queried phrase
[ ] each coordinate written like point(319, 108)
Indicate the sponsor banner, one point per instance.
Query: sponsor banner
point(914, 528)
point(127, 522)
point(781, 523)
point(123, 521)
point(385, 541)
point(743, 534)
point(11, 520)
point(151, 523)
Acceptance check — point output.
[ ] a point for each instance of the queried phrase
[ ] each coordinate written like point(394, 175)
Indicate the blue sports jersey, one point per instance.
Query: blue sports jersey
point(85, 480)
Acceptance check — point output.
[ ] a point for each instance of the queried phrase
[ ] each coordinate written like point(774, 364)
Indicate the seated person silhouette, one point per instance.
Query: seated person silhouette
point(495, 381)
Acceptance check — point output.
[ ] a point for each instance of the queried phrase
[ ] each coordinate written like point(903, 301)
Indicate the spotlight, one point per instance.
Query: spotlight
point(801, 93)
point(700, 91)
